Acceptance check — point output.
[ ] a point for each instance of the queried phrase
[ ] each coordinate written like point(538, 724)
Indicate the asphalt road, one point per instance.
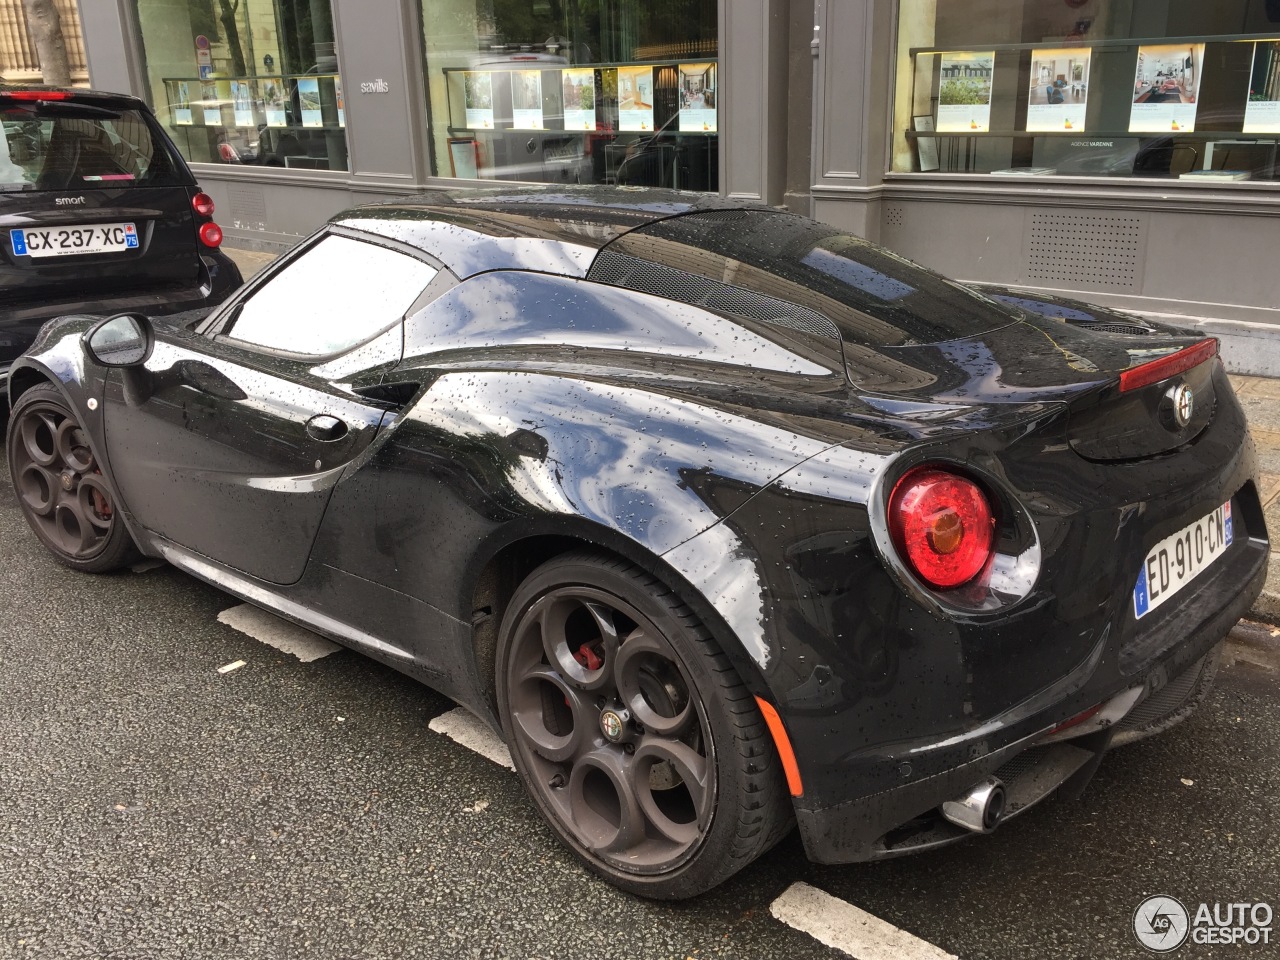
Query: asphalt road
point(153, 807)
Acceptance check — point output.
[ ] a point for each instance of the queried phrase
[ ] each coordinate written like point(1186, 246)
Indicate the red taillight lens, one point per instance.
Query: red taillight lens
point(35, 95)
point(202, 204)
point(942, 525)
point(211, 234)
point(1170, 366)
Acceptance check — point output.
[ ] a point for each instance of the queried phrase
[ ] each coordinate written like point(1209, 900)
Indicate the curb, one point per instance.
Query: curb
point(1266, 609)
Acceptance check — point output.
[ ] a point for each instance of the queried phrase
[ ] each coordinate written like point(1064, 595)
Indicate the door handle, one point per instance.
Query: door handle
point(325, 428)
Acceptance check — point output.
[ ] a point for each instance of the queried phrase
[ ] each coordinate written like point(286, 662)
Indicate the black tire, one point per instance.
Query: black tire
point(605, 678)
point(68, 502)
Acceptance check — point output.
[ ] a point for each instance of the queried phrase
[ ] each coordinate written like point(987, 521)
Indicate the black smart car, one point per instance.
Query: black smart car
point(725, 518)
point(98, 213)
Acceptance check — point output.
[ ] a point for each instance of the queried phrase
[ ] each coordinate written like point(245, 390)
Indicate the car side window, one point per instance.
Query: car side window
point(337, 294)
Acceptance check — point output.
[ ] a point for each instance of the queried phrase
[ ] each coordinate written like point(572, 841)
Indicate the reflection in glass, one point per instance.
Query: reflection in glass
point(574, 91)
point(247, 82)
point(337, 294)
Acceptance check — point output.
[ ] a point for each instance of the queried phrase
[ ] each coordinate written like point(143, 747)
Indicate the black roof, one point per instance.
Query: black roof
point(554, 229)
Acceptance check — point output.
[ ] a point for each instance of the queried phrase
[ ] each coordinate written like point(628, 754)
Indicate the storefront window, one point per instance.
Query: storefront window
point(250, 82)
point(1100, 88)
point(574, 91)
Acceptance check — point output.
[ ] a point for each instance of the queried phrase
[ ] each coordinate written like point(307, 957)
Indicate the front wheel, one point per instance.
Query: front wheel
point(60, 486)
point(632, 732)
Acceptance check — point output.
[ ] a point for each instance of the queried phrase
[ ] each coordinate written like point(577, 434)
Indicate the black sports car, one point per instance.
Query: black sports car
point(98, 212)
point(725, 518)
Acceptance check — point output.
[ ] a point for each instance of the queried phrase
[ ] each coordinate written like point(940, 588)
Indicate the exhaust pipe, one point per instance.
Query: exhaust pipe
point(980, 809)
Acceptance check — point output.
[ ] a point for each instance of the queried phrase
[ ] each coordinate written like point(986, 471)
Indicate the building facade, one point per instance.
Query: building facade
point(1123, 151)
point(19, 61)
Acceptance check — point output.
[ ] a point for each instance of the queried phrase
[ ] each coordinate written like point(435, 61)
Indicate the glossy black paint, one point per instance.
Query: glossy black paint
point(745, 457)
point(170, 272)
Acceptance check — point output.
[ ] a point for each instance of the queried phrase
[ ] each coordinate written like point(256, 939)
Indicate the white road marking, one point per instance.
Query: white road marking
point(281, 634)
point(227, 668)
point(846, 928)
point(465, 728)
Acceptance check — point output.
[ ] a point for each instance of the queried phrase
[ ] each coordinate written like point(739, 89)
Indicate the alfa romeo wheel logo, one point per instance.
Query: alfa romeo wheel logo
point(1161, 924)
point(611, 724)
point(1183, 403)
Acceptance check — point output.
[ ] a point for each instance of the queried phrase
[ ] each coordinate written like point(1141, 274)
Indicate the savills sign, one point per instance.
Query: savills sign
point(375, 86)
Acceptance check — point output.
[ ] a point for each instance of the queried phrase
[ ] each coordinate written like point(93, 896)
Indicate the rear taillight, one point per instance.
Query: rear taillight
point(1168, 366)
point(211, 235)
point(942, 526)
point(202, 204)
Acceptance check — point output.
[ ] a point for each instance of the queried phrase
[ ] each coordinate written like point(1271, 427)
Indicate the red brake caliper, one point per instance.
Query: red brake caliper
point(101, 504)
point(588, 657)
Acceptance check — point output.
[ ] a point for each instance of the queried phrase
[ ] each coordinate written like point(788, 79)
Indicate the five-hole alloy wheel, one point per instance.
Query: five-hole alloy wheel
point(632, 732)
point(60, 486)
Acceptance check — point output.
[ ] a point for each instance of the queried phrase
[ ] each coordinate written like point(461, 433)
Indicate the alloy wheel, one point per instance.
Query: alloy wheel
point(59, 483)
point(611, 734)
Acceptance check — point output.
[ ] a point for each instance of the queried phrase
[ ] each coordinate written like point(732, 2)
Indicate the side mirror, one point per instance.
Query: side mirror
point(124, 340)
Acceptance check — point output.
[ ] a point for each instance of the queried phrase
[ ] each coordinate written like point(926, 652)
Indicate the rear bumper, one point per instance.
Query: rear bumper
point(904, 819)
point(21, 322)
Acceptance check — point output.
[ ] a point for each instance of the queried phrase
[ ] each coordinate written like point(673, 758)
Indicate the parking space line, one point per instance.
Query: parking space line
point(284, 636)
point(470, 731)
point(843, 926)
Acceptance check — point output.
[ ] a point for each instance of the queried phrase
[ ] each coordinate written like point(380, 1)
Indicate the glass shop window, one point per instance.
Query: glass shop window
point(1093, 88)
point(252, 82)
point(574, 91)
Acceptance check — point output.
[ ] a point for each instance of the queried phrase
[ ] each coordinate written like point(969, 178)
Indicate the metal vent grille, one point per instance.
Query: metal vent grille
point(1085, 249)
point(620, 270)
point(248, 207)
point(1021, 765)
point(723, 215)
point(1129, 328)
point(894, 216)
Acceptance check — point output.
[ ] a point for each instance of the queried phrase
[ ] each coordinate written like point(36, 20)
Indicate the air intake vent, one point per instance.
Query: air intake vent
point(620, 270)
point(1129, 328)
point(723, 215)
point(893, 216)
point(1082, 249)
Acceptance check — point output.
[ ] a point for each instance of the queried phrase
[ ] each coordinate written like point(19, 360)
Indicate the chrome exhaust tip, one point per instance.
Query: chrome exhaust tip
point(980, 809)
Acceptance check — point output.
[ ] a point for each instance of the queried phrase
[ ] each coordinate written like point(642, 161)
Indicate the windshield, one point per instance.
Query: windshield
point(68, 146)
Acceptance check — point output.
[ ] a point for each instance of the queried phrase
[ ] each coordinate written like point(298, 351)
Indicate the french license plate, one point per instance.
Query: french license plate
point(1181, 557)
point(69, 241)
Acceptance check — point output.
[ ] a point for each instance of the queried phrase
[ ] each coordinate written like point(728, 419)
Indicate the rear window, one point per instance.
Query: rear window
point(873, 296)
point(69, 146)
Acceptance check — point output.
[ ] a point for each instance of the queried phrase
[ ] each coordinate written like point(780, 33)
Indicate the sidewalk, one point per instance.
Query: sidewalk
point(249, 261)
point(1260, 397)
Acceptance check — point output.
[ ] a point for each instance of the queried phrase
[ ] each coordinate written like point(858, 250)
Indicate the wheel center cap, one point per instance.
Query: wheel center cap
point(612, 725)
point(68, 481)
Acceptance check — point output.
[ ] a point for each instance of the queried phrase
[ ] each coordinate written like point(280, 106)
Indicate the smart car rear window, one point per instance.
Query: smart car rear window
point(63, 145)
point(873, 296)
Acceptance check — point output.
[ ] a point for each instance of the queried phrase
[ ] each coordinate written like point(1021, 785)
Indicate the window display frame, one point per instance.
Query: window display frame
point(958, 148)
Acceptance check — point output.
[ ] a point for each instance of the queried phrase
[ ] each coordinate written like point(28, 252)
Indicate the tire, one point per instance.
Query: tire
point(632, 731)
point(66, 499)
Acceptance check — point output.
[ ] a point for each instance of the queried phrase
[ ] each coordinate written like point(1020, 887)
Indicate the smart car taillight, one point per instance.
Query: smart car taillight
point(202, 204)
point(211, 234)
point(942, 525)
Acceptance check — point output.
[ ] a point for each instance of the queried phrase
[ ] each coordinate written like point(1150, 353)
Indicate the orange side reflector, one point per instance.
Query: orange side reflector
point(783, 743)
